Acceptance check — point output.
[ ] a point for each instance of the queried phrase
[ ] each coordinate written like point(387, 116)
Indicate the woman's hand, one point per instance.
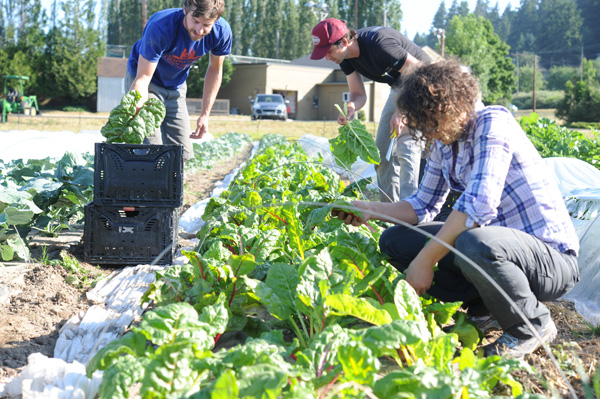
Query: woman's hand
point(348, 217)
point(419, 275)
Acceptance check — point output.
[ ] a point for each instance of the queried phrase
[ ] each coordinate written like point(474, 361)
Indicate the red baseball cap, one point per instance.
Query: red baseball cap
point(324, 34)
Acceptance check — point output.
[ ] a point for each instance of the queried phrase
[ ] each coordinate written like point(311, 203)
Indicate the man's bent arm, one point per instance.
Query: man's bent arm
point(212, 83)
point(145, 71)
point(358, 96)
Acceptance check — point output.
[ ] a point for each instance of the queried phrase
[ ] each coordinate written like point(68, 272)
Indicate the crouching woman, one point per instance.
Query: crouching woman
point(510, 219)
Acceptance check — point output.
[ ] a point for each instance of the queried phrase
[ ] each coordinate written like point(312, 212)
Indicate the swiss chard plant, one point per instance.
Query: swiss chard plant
point(44, 196)
point(323, 311)
point(353, 141)
point(128, 124)
point(553, 140)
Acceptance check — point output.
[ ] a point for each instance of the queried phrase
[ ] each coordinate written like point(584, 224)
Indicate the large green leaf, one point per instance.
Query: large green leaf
point(362, 308)
point(226, 386)
point(354, 141)
point(174, 322)
point(116, 381)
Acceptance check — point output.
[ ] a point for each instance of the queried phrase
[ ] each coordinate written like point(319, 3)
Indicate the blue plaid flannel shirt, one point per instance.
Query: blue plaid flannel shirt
point(502, 179)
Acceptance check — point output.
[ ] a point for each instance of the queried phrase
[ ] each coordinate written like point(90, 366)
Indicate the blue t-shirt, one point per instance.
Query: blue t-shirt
point(166, 42)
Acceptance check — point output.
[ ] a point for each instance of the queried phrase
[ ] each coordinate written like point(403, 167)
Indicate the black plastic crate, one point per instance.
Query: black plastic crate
point(129, 236)
point(138, 175)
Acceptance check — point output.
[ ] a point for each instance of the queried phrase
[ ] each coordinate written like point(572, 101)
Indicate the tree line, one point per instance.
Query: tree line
point(560, 32)
point(59, 48)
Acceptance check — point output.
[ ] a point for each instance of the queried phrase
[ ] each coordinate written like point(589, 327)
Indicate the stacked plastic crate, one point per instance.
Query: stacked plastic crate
point(138, 190)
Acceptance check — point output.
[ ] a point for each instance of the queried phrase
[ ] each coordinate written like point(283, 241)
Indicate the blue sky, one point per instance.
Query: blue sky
point(418, 14)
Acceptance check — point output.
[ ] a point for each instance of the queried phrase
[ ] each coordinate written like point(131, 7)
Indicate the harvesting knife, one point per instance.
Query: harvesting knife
point(388, 155)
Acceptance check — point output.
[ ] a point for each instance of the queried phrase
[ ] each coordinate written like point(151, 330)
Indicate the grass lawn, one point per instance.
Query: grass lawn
point(218, 125)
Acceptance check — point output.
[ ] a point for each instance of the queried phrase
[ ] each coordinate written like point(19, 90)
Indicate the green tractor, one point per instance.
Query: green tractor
point(14, 99)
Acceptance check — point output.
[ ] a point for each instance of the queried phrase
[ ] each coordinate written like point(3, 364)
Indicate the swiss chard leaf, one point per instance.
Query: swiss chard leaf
point(354, 141)
point(127, 124)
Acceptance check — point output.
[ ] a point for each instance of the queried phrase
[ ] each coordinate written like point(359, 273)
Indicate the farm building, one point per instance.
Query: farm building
point(311, 87)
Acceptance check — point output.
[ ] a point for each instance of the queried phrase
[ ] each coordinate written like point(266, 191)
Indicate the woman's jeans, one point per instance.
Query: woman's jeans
point(525, 268)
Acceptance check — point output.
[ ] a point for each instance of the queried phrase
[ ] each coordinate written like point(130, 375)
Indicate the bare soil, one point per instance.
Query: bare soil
point(43, 296)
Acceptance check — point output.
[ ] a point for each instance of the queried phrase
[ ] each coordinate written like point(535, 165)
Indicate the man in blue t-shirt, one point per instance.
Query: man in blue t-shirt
point(160, 63)
point(381, 54)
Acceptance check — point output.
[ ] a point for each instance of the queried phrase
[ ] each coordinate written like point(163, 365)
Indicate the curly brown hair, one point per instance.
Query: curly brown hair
point(437, 101)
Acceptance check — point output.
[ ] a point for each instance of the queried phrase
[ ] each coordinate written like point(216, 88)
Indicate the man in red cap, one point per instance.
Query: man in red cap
point(380, 54)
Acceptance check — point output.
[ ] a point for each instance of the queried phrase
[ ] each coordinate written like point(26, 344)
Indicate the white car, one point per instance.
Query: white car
point(269, 106)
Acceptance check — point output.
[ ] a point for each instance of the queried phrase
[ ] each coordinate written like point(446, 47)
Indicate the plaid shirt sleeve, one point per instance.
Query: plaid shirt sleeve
point(433, 189)
point(491, 159)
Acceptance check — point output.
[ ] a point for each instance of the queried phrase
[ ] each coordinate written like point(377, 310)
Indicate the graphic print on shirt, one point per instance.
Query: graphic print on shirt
point(182, 61)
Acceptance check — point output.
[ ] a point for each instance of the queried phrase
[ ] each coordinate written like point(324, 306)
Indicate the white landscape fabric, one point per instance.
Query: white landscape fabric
point(33, 144)
point(579, 183)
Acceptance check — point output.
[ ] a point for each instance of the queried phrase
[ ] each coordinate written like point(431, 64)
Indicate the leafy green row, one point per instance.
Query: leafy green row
point(43, 195)
point(206, 154)
point(552, 140)
point(322, 310)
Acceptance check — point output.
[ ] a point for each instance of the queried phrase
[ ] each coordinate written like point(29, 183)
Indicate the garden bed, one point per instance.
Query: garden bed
point(43, 296)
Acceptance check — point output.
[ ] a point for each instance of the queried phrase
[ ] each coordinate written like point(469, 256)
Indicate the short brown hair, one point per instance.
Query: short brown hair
point(209, 9)
point(350, 35)
point(437, 98)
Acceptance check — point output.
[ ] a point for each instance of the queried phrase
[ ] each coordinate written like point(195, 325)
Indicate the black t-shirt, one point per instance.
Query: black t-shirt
point(383, 52)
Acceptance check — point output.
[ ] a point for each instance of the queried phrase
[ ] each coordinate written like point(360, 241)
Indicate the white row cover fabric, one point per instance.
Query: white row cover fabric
point(360, 169)
point(47, 378)
point(579, 184)
point(33, 144)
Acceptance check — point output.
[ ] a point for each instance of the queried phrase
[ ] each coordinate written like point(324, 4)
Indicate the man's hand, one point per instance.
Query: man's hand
point(201, 128)
point(342, 120)
point(397, 122)
point(143, 99)
point(419, 275)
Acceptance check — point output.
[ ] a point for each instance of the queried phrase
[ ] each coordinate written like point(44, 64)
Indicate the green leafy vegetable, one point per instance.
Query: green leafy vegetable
point(127, 124)
point(352, 142)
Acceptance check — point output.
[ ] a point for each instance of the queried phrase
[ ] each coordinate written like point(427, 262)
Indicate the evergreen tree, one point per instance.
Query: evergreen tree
point(453, 11)
point(234, 14)
point(439, 19)
point(463, 9)
point(482, 8)
point(558, 38)
point(288, 49)
point(494, 16)
point(72, 53)
point(524, 27)
point(248, 27)
point(590, 10)
point(504, 25)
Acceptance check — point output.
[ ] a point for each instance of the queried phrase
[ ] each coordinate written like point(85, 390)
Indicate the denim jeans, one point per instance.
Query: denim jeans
point(399, 177)
point(528, 270)
point(176, 127)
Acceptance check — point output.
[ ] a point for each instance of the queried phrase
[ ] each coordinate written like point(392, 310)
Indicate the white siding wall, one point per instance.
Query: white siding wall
point(110, 92)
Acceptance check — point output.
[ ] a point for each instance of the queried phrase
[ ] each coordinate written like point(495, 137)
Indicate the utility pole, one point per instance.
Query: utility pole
point(534, 78)
point(144, 14)
point(441, 35)
point(517, 56)
point(277, 44)
point(355, 14)
point(581, 66)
